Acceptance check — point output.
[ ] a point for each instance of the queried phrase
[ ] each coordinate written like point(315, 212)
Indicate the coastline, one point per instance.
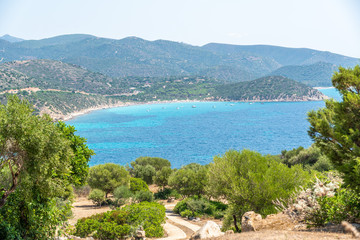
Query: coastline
point(318, 88)
point(116, 105)
point(73, 115)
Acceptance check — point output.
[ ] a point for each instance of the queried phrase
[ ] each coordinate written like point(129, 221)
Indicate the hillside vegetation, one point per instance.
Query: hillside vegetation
point(138, 57)
point(276, 88)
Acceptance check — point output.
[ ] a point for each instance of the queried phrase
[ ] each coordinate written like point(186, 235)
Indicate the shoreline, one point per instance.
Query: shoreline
point(73, 115)
point(319, 88)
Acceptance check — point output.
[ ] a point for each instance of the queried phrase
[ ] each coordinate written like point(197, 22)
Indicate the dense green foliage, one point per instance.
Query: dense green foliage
point(336, 128)
point(120, 223)
point(199, 206)
point(144, 196)
point(162, 177)
point(190, 179)
point(146, 167)
point(40, 159)
point(311, 159)
point(108, 176)
point(137, 184)
point(80, 161)
point(166, 193)
point(250, 182)
point(156, 162)
point(122, 195)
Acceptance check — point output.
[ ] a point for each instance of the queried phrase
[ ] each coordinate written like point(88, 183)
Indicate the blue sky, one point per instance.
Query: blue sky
point(330, 25)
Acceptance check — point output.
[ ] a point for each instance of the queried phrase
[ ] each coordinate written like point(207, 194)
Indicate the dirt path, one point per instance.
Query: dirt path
point(85, 208)
point(176, 227)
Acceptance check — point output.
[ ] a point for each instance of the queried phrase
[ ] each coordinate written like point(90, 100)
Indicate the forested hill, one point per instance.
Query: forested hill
point(141, 58)
point(271, 88)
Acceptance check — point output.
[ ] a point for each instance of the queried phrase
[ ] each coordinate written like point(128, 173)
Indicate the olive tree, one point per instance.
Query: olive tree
point(250, 182)
point(37, 166)
point(189, 180)
point(107, 177)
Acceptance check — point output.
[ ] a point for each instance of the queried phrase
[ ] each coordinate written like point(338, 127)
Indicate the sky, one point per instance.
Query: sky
point(328, 25)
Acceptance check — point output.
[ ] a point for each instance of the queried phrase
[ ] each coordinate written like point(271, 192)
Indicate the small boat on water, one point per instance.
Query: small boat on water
point(214, 106)
point(231, 104)
point(250, 103)
point(193, 106)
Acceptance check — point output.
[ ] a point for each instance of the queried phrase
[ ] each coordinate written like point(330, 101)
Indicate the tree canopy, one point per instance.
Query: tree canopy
point(38, 163)
point(335, 129)
point(108, 176)
point(250, 181)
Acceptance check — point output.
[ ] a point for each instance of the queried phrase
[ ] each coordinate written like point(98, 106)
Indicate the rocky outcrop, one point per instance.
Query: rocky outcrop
point(252, 221)
point(209, 230)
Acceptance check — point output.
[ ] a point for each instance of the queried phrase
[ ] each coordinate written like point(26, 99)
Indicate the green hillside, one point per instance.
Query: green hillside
point(49, 74)
point(271, 88)
point(318, 74)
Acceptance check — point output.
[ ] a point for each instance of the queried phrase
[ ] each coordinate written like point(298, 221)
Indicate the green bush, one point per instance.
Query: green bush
point(150, 215)
point(166, 193)
point(122, 195)
point(97, 196)
point(343, 206)
point(137, 184)
point(187, 213)
point(117, 224)
point(197, 206)
point(144, 196)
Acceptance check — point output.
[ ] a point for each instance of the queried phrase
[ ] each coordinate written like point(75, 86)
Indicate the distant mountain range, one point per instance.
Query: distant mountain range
point(135, 57)
point(11, 39)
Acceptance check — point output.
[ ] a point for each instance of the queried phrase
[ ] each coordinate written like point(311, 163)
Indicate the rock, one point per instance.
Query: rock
point(249, 221)
point(140, 233)
point(209, 230)
point(196, 220)
point(171, 199)
point(229, 232)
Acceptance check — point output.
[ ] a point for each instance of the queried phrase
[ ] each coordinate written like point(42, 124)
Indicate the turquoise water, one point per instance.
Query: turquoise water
point(183, 134)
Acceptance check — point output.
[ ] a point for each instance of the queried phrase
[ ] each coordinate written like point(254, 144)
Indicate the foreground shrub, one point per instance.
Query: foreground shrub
point(327, 202)
point(97, 196)
point(323, 202)
point(197, 206)
point(144, 196)
point(118, 224)
point(250, 181)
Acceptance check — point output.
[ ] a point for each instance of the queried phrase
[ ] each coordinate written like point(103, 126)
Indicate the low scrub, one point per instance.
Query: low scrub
point(198, 206)
point(118, 224)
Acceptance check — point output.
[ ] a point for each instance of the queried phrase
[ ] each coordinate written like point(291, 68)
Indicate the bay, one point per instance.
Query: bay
point(195, 131)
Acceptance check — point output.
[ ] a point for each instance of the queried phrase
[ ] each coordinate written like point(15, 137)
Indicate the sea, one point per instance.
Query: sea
point(195, 132)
